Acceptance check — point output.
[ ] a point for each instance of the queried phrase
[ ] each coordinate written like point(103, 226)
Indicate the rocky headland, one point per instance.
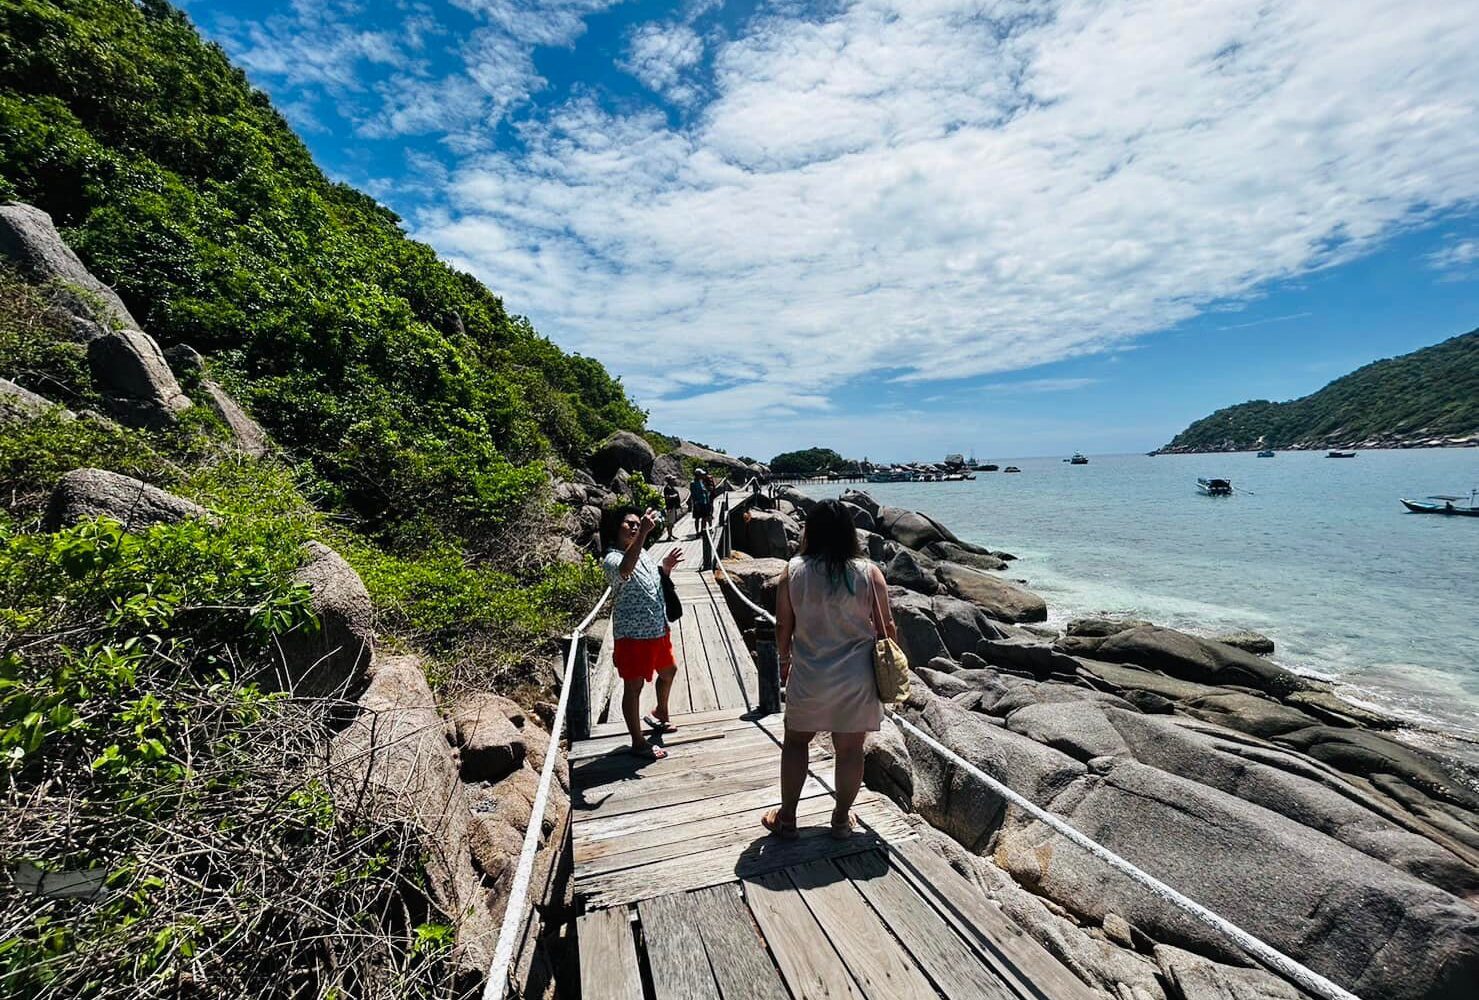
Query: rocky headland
point(1260, 793)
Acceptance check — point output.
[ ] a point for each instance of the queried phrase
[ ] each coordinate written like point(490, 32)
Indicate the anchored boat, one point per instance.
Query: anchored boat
point(1266, 453)
point(1079, 458)
point(1341, 454)
point(1215, 487)
point(1444, 505)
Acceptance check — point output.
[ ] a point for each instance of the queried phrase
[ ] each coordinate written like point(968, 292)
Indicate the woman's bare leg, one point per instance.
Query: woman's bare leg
point(794, 754)
point(664, 691)
point(847, 771)
point(631, 708)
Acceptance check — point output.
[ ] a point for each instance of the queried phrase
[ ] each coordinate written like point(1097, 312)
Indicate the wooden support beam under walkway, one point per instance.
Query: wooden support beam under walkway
point(685, 896)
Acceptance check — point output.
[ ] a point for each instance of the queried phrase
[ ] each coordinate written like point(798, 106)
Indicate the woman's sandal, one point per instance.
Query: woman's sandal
point(659, 725)
point(648, 751)
point(783, 828)
point(843, 830)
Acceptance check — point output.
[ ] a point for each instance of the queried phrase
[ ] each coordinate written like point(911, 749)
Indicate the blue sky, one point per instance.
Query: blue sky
point(905, 228)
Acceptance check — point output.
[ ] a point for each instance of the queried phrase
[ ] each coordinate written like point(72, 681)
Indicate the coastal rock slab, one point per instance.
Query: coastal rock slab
point(794, 496)
point(959, 552)
point(997, 597)
point(1249, 713)
point(1248, 641)
point(492, 746)
point(961, 625)
point(29, 239)
point(1041, 658)
point(757, 579)
point(910, 528)
point(1188, 657)
point(917, 634)
point(1101, 627)
point(89, 493)
point(912, 571)
point(1356, 751)
point(859, 498)
point(887, 767)
point(621, 451)
point(860, 517)
point(1376, 931)
point(1192, 977)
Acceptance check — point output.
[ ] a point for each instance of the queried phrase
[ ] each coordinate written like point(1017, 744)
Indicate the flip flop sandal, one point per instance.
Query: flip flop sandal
point(845, 829)
point(782, 828)
point(648, 751)
point(653, 722)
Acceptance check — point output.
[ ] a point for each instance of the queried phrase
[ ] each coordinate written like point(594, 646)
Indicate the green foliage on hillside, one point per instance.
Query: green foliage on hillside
point(405, 382)
point(809, 462)
point(1431, 393)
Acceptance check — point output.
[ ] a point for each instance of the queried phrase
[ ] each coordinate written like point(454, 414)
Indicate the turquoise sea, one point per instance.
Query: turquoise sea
point(1314, 552)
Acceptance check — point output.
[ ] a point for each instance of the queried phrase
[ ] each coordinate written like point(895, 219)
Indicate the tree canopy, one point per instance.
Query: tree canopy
point(810, 462)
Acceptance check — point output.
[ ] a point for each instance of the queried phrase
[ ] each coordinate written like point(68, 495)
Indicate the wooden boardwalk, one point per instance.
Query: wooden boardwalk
point(685, 896)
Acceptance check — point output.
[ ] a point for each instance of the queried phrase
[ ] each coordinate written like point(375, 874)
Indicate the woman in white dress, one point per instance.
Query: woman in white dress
point(827, 609)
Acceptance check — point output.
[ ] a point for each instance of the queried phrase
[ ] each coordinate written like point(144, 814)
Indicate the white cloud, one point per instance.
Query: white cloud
point(1041, 385)
point(1456, 259)
point(658, 55)
point(943, 188)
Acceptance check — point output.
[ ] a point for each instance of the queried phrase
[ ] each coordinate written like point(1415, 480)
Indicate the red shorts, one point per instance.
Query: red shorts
point(642, 659)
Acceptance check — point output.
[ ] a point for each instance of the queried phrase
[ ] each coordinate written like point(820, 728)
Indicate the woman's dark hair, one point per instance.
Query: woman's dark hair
point(831, 537)
point(611, 519)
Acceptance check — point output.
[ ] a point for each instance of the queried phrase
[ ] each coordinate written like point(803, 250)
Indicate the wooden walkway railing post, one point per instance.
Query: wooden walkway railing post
point(579, 720)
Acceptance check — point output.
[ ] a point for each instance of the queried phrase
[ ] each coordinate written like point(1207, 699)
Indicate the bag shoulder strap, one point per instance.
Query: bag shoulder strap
point(879, 628)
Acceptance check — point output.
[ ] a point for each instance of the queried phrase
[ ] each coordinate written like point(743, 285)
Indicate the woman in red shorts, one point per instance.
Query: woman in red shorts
point(639, 621)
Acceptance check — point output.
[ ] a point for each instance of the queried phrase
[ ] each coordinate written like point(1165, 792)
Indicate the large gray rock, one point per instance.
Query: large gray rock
point(29, 239)
point(490, 736)
point(918, 635)
point(962, 625)
point(19, 403)
point(886, 764)
point(1192, 977)
point(998, 598)
point(1023, 654)
point(1249, 713)
point(87, 493)
point(860, 517)
point(246, 433)
point(958, 553)
point(1076, 728)
point(1098, 628)
point(717, 462)
point(622, 450)
point(859, 498)
point(757, 579)
point(911, 528)
point(1358, 752)
point(1188, 657)
point(955, 801)
point(137, 385)
point(1376, 931)
point(768, 534)
point(331, 659)
point(912, 571)
point(1295, 788)
point(393, 766)
point(1248, 641)
point(872, 545)
point(792, 495)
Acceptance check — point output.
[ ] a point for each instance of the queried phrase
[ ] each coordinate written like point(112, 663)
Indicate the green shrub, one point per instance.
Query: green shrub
point(36, 453)
point(36, 346)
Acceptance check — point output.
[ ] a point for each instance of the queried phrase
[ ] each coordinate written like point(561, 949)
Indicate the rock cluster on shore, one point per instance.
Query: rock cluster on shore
point(1260, 793)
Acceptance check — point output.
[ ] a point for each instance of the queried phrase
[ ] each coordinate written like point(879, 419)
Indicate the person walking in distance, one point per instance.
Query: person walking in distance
point(643, 649)
point(672, 499)
point(831, 606)
point(700, 501)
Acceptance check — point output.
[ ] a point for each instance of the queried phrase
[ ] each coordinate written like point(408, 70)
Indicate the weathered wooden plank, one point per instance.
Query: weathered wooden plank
point(614, 745)
point(675, 950)
point(937, 950)
point(736, 955)
point(692, 819)
point(603, 677)
point(1012, 954)
point(880, 968)
point(717, 717)
point(593, 828)
point(681, 700)
point(694, 838)
point(702, 756)
point(809, 963)
point(705, 696)
point(724, 864)
point(688, 723)
point(727, 685)
point(624, 795)
point(745, 663)
point(608, 956)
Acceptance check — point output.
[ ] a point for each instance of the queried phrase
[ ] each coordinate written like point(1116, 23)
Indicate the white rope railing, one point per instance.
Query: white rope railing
point(1303, 976)
point(513, 915)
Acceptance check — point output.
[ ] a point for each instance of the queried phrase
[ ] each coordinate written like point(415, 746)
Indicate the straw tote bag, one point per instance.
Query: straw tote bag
point(890, 666)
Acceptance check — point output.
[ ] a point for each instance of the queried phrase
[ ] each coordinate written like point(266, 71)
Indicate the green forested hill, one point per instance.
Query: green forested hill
point(405, 382)
point(1428, 397)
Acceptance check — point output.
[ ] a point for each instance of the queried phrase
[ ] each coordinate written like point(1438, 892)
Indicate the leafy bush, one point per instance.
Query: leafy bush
point(36, 349)
point(36, 453)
